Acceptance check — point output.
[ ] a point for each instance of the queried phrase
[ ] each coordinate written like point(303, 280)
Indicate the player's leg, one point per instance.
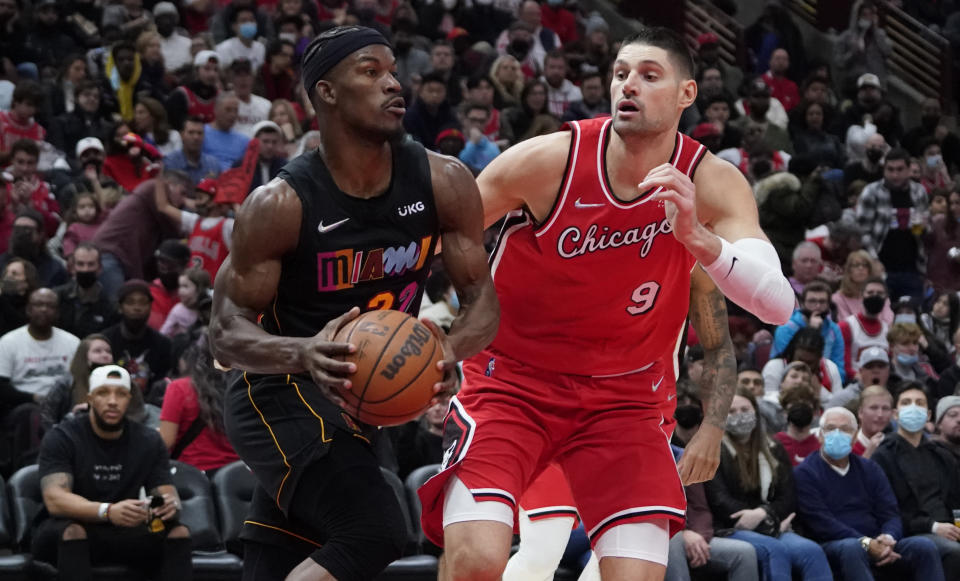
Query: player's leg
point(635, 551)
point(542, 543)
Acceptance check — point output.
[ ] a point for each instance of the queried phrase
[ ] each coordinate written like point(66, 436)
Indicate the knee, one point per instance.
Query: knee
point(74, 532)
point(475, 562)
point(179, 532)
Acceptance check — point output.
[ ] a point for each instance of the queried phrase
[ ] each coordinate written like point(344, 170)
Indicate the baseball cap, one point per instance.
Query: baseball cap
point(457, 32)
point(267, 124)
point(174, 250)
point(207, 185)
point(758, 87)
point(944, 405)
point(165, 8)
point(707, 38)
point(705, 130)
point(205, 56)
point(89, 143)
point(112, 375)
point(450, 134)
point(871, 354)
point(868, 80)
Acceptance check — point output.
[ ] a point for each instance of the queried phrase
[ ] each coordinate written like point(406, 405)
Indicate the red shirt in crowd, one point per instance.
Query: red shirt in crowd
point(11, 130)
point(783, 89)
point(798, 449)
point(561, 21)
point(209, 449)
point(121, 169)
point(42, 201)
point(163, 301)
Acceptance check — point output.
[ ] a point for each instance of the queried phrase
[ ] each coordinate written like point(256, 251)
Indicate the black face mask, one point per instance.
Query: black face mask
point(688, 416)
point(22, 245)
point(873, 304)
point(170, 280)
point(929, 122)
point(761, 168)
point(874, 155)
point(800, 415)
point(165, 28)
point(403, 46)
point(86, 279)
point(518, 49)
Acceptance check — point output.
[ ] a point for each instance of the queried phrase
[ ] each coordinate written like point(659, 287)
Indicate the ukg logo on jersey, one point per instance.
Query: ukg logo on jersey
point(342, 269)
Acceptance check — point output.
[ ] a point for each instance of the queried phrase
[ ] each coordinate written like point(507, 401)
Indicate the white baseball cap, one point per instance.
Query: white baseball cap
point(113, 375)
point(871, 354)
point(205, 56)
point(266, 125)
point(89, 143)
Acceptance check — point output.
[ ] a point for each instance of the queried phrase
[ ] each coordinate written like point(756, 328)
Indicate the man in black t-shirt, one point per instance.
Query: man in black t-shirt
point(93, 469)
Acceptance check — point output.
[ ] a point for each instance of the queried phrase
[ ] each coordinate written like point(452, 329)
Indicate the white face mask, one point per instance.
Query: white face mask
point(288, 36)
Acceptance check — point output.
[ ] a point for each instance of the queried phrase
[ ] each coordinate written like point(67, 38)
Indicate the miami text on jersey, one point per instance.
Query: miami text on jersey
point(342, 269)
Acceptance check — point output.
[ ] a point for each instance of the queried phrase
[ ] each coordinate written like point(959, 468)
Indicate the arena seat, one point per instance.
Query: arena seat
point(414, 481)
point(13, 567)
point(198, 513)
point(415, 567)
point(26, 502)
point(233, 487)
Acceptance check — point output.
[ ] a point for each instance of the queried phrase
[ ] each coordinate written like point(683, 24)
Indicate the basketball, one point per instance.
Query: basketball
point(396, 361)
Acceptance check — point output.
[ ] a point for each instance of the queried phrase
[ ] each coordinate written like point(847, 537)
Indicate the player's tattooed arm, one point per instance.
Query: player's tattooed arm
point(708, 315)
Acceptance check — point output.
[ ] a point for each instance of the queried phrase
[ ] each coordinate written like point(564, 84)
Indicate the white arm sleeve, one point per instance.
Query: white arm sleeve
point(748, 273)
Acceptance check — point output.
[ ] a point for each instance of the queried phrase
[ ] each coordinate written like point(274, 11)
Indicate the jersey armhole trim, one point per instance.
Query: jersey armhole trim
point(561, 197)
point(697, 158)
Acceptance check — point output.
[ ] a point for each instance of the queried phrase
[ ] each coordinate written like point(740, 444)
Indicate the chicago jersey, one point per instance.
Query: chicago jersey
point(600, 287)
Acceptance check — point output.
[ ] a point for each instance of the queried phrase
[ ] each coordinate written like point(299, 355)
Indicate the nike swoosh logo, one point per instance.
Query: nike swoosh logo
point(671, 396)
point(732, 263)
point(580, 204)
point(324, 229)
point(798, 459)
point(656, 385)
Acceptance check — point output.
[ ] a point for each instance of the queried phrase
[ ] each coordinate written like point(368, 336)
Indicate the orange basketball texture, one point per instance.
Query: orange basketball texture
point(396, 361)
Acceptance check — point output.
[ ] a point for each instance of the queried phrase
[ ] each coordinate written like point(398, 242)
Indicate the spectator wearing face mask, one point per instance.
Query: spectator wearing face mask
point(870, 168)
point(28, 242)
point(863, 47)
point(904, 338)
point(865, 329)
point(244, 43)
point(172, 260)
point(802, 407)
point(18, 281)
point(84, 306)
point(924, 477)
point(142, 351)
point(689, 413)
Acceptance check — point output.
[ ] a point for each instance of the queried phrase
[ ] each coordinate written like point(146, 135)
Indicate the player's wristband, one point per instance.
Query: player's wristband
point(103, 513)
point(748, 273)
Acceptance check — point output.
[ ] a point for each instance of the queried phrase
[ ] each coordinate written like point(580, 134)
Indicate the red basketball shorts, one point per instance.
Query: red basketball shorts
point(511, 420)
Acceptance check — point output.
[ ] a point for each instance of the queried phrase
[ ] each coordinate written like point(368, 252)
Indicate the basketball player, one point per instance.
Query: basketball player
point(597, 262)
point(351, 226)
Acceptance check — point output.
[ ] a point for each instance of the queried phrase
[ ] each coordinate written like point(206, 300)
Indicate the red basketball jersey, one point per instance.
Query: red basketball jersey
point(208, 249)
point(602, 286)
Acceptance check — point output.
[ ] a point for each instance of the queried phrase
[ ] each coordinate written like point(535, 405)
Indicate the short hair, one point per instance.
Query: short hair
point(241, 66)
point(903, 333)
point(805, 245)
point(27, 146)
point(875, 391)
point(898, 153)
point(838, 410)
point(235, 13)
point(29, 92)
point(88, 246)
point(32, 215)
point(439, 43)
point(122, 45)
point(807, 339)
point(555, 54)
point(591, 75)
point(474, 81)
point(86, 85)
point(195, 119)
point(668, 40)
point(815, 286)
point(472, 105)
point(905, 386)
point(276, 47)
point(29, 273)
point(432, 77)
point(875, 280)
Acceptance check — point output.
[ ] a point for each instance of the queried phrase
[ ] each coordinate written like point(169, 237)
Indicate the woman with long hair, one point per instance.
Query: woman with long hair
point(857, 270)
point(943, 319)
point(191, 421)
point(69, 394)
point(153, 78)
point(284, 114)
point(507, 81)
point(150, 123)
point(73, 72)
point(943, 263)
point(19, 280)
point(752, 497)
point(812, 137)
point(532, 117)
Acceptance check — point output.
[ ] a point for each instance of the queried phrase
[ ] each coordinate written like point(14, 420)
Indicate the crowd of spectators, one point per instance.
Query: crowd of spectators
point(124, 132)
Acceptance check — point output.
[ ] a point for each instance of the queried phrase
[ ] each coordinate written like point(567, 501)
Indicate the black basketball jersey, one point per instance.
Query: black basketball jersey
point(371, 253)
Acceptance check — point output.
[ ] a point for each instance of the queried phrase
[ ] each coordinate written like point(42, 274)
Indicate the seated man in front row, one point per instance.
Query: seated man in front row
point(93, 467)
point(846, 503)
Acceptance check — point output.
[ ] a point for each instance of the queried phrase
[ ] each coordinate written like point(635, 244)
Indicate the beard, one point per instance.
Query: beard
point(104, 425)
point(953, 438)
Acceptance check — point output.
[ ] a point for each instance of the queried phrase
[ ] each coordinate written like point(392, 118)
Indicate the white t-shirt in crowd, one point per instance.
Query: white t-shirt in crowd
point(176, 52)
point(34, 366)
point(249, 114)
point(233, 49)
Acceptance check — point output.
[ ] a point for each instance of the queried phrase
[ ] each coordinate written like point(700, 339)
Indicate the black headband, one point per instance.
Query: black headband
point(319, 61)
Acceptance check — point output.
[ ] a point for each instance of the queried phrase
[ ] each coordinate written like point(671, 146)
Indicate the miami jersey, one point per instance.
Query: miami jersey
point(600, 287)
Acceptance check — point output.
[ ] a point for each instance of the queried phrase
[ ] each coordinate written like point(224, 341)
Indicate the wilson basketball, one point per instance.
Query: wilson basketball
point(396, 361)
